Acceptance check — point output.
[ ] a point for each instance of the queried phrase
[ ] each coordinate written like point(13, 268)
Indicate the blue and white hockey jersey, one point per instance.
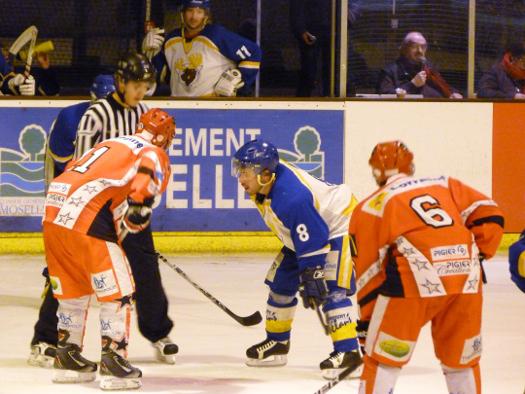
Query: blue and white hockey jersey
point(306, 213)
point(61, 140)
point(195, 65)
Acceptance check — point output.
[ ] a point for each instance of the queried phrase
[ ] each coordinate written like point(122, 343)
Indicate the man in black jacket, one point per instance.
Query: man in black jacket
point(411, 73)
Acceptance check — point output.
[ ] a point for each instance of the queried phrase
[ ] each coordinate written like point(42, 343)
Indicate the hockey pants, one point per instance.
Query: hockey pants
point(151, 300)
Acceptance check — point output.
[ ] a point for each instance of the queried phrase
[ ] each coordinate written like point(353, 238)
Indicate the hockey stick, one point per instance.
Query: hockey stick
point(338, 378)
point(28, 35)
point(253, 319)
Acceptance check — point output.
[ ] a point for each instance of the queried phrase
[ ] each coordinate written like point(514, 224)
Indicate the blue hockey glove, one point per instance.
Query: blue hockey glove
point(517, 263)
point(313, 289)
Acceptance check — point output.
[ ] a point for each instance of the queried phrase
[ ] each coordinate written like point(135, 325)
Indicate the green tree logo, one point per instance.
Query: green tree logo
point(32, 141)
point(307, 141)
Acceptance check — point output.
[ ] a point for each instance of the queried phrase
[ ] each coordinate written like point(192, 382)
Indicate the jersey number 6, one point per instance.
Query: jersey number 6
point(427, 208)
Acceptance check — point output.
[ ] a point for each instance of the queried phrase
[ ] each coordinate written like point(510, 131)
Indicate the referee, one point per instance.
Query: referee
point(116, 115)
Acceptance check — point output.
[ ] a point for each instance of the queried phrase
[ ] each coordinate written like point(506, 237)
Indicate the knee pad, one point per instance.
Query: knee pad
point(279, 299)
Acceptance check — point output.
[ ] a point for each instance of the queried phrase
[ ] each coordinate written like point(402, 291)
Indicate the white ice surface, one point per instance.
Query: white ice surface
point(212, 345)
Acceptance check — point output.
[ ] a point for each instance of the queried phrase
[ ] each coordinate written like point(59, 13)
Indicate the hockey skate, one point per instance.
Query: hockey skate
point(42, 355)
point(338, 362)
point(268, 353)
point(165, 350)
point(70, 367)
point(116, 373)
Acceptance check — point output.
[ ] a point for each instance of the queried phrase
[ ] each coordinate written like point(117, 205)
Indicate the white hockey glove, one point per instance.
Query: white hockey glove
point(152, 42)
point(26, 87)
point(228, 83)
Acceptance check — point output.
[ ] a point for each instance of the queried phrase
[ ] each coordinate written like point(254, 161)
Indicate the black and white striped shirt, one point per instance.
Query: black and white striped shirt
point(106, 118)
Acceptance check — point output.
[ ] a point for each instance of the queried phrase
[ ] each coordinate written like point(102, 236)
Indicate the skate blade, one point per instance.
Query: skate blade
point(112, 383)
point(166, 359)
point(69, 376)
point(272, 361)
point(332, 373)
point(41, 361)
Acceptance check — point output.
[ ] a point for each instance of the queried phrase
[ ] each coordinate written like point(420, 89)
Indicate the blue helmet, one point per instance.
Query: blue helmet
point(103, 85)
point(257, 154)
point(196, 3)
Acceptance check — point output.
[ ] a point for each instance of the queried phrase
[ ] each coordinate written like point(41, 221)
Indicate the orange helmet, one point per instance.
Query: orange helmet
point(390, 158)
point(158, 127)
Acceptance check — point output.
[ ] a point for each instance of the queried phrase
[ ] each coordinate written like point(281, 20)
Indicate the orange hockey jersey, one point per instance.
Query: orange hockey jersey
point(422, 237)
point(91, 195)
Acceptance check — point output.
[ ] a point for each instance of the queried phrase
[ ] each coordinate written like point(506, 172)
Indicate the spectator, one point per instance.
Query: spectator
point(202, 59)
point(310, 22)
point(506, 79)
point(412, 73)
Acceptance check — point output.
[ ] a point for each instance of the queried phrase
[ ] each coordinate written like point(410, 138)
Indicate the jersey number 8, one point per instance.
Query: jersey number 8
point(302, 232)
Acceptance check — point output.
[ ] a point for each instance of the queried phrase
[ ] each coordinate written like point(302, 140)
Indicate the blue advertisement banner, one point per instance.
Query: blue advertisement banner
point(201, 195)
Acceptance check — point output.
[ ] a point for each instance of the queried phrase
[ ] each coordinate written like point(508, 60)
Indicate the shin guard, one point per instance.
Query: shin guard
point(463, 380)
point(114, 325)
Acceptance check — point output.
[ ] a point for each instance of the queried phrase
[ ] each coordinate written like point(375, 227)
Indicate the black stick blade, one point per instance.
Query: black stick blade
point(252, 320)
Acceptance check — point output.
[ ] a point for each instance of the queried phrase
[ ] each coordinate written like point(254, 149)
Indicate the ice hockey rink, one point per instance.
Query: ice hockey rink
point(212, 345)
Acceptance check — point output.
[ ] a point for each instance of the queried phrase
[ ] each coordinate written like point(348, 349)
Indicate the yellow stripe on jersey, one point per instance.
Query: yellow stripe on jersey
point(249, 64)
point(303, 181)
point(521, 265)
point(344, 274)
point(60, 159)
point(350, 208)
point(188, 45)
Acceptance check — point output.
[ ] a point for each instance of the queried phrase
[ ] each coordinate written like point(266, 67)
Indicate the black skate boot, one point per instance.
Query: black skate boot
point(70, 367)
point(116, 372)
point(42, 355)
point(338, 362)
point(268, 353)
point(165, 350)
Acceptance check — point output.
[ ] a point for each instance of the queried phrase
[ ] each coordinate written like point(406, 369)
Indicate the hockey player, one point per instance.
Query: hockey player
point(311, 218)
point(202, 59)
point(118, 115)
point(102, 196)
point(418, 243)
point(517, 262)
point(60, 148)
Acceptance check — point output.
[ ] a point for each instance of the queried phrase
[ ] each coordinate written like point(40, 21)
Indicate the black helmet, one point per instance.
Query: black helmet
point(135, 67)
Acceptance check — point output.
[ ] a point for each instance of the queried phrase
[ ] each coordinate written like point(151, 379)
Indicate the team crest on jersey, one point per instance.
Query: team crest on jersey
point(308, 155)
point(189, 69)
point(22, 181)
point(376, 203)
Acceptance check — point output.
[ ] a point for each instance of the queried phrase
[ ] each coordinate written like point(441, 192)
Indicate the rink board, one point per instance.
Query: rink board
point(477, 142)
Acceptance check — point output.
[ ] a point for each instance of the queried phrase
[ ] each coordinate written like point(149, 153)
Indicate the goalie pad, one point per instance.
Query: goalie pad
point(229, 82)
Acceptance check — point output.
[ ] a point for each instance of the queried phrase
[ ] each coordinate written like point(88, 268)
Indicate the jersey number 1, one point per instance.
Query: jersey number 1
point(94, 157)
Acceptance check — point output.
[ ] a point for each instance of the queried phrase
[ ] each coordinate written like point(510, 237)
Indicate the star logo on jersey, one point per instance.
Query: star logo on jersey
point(431, 287)
point(104, 183)
point(90, 189)
point(121, 345)
point(472, 284)
point(126, 300)
point(420, 264)
point(64, 218)
point(76, 201)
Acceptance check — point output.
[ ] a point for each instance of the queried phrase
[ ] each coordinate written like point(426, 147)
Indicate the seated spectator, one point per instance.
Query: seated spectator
point(412, 73)
point(506, 79)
